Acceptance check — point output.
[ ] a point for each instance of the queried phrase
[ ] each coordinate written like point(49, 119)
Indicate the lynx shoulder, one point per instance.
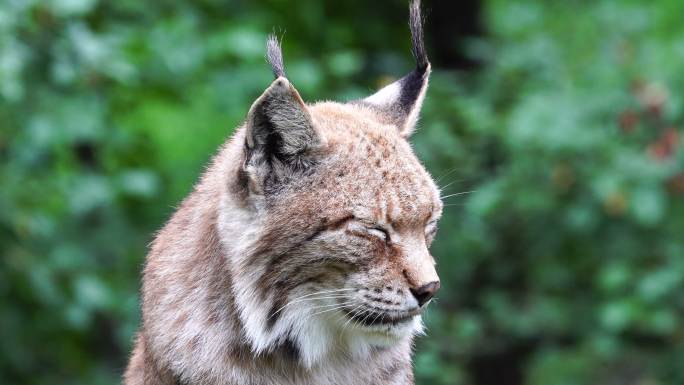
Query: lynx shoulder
point(301, 256)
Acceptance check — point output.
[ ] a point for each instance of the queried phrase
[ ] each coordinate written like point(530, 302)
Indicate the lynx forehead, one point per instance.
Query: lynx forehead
point(366, 165)
point(301, 257)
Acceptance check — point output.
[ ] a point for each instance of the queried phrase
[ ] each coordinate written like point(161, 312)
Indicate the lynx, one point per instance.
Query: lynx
point(301, 256)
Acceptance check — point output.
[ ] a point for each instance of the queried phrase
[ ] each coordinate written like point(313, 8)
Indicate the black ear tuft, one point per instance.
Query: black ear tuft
point(416, 25)
point(274, 56)
point(399, 103)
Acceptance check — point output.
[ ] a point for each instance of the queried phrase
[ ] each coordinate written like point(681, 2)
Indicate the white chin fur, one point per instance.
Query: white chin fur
point(360, 338)
point(325, 337)
point(387, 335)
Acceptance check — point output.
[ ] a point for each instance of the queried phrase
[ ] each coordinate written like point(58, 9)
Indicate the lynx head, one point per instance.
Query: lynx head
point(340, 217)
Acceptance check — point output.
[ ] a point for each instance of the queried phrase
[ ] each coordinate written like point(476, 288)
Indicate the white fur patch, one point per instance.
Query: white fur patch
point(386, 95)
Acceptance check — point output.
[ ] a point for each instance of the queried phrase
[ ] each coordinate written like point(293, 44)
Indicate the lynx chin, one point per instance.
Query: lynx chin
point(301, 256)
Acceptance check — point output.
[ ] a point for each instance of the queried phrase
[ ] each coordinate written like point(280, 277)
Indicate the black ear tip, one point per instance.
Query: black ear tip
point(423, 68)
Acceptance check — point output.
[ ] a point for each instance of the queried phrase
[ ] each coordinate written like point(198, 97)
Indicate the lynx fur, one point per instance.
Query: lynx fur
point(301, 256)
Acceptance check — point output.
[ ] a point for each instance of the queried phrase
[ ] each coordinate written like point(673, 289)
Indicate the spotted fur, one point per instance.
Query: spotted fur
point(298, 256)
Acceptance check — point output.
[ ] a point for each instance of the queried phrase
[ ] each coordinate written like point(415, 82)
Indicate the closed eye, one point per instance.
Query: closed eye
point(365, 229)
point(378, 232)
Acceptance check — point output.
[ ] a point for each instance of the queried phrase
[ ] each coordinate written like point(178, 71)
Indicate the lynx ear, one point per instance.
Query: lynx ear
point(280, 135)
point(399, 103)
point(279, 124)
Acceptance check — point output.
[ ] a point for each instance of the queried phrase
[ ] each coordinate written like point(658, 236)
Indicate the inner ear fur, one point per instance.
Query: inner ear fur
point(399, 103)
point(280, 135)
point(279, 122)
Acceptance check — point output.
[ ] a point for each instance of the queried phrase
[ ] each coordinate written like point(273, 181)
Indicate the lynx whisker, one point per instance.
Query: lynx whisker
point(350, 321)
point(370, 313)
point(333, 304)
point(457, 194)
point(376, 317)
point(312, 298)
point(337, 307)
point(447, 173)
point(442, 188)
point(327, 292)
point(360, 322)
point(351, 316)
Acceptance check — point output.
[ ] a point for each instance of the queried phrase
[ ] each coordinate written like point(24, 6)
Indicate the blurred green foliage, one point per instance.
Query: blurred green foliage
point(563, 266)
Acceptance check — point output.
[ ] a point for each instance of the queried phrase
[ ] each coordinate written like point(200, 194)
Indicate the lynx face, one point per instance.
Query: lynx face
point(364, 266)
point(341, 257)
point(341, 215)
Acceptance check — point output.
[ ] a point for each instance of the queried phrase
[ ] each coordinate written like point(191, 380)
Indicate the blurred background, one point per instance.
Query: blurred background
point(563, 266)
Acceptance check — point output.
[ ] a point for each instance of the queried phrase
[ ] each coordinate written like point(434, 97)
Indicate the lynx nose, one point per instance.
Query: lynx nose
point(425, 292)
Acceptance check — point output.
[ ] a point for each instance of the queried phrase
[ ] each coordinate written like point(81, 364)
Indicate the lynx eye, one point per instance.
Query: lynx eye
point(362, 227)
point(378, 232)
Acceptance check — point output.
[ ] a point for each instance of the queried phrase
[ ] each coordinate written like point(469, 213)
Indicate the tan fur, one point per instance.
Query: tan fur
point(297, 256)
